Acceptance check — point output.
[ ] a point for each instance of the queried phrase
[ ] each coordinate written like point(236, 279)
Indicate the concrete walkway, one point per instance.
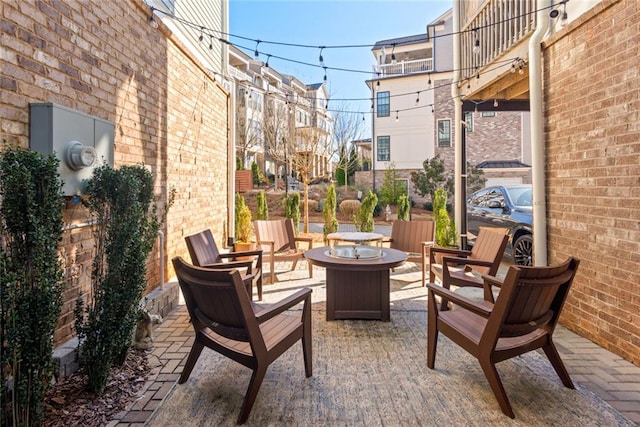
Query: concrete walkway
point(612, 378)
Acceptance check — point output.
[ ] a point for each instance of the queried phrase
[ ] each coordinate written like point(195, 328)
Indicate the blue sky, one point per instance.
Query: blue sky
point(324, 23)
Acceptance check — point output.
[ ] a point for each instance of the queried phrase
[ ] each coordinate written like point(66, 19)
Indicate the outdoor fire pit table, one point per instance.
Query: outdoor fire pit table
point(357, 279)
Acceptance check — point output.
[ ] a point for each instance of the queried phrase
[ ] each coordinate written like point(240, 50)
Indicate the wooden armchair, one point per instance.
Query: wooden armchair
point(415, 238)
point(522, 319)
point(465, 268)
point(279, 243)
point(226, 321)
point(204, 253)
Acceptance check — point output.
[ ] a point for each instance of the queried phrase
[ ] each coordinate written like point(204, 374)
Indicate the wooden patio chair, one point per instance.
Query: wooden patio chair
point(204, 253)
point(465, 268)
point(226, 321)
point(522, 319)
point(279, 243)
point(415, 238)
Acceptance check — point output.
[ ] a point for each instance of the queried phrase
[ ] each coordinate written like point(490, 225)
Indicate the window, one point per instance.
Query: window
point(384, 107)
point(468, 119)
point(488, 114)
point(384, 148)
point(444, 133)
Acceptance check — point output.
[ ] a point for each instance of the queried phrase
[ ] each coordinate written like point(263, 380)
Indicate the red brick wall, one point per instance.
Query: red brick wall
point(592, 88)
point(101, 58)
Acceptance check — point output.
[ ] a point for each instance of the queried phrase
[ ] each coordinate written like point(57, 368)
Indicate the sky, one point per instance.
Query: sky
point(327, 23)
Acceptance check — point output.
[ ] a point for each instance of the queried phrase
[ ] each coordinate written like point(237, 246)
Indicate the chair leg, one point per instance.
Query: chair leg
point(491, 373)
point(307, 352)
point(293, 264)
point(259, 286)
point(252, 392)
point(310, 269)
point(272, 265)
point(432, 331)
point(196, 349)
point(552, 353)
point(424, 274)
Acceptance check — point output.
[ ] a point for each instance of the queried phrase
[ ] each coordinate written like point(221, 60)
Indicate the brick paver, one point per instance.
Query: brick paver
point(612, 378)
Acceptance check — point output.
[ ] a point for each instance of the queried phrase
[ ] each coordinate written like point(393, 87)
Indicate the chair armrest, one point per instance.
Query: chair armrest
point(428, 244)
point(256, 252)
point(493, 281)
point(450, 251)
point(283, 305)
point(465, 261)
point(459, 300)
point(271, 245)
point(308, 240)
point(229, 265)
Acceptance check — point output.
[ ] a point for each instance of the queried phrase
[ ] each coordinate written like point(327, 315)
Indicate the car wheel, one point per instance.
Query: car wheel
point(523, 250)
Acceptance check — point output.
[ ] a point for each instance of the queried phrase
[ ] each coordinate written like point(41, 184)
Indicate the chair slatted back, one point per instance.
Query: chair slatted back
point(532, 297)
point(202, 248)
point(216, 299)
point(489, 245)
point(279, 231)
point(407, 235)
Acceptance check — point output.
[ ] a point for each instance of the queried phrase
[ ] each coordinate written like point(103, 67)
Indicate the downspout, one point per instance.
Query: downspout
point(457, 105)
point(231, 166)
point(537, 135)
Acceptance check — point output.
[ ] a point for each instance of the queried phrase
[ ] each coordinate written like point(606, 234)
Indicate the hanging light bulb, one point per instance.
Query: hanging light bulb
point(325, 73)
point(418, 98)
point(363, 117)
point(256, 54)
point(476, 43)
point(495, 103)
point(378, 85)
point(266, 64)
point(152, 20)
point(320, 58)
point(211, 43)
point(393, 55)
point(564, 18)
point(432, 109)
point(429, 82)
point(397, 118)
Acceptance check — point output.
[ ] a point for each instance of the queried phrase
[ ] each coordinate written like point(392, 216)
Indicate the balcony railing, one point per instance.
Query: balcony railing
point(403, 67)
point(497, 26)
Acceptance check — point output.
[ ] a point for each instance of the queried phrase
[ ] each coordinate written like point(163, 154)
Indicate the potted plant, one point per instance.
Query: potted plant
point(243, 226)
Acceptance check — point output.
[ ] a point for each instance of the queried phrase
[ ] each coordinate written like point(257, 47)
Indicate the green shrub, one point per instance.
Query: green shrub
point(243, 220)
point(446, 234)
point(263, 208)
point(403, 207)
point(363, 218)
point(258, 177)
point(31, 281)
point(329, 212)
point(292, 209)
point(126, 226)
point(349, 207)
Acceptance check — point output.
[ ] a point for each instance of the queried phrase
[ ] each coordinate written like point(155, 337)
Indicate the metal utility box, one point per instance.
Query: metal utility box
point(81, 142)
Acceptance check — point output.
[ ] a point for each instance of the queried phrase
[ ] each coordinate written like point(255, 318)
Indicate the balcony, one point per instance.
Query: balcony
point(403, 67)
point(493, 36)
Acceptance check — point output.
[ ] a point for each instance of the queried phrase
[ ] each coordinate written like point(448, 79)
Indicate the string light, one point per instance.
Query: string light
point(152, 20)
point(432, 109)
point(393, 55)
point(320, 58)
point(418, 98)
point(397, 118)
point(211, 43)
point(256, 54)
point(495, 103)
point(325, 73)
point(429, 82)
point(201, 34)
point(266, 64)
point(476, 43)
point(564, 17)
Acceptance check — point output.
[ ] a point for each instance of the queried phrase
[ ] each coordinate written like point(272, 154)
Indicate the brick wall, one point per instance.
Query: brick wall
point(101, 58)
point(593, 180)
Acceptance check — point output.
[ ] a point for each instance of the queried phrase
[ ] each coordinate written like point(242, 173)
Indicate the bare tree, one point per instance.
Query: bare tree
point(307, 150)
point(348, 127)
point(275, 129)
point(248, 129)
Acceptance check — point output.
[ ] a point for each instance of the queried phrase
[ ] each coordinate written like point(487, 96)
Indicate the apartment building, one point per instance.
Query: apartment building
point(281, 123)
point(413, 116)
point(574, 66)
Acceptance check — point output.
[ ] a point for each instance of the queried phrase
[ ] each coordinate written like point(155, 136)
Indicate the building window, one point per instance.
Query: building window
point(444, 133)
point(384, 148)
point(488, 114)
point(384, 108)
point(468, 119)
